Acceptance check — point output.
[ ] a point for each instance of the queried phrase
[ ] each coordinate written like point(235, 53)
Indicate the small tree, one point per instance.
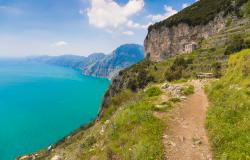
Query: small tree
point(177, 69)
point(235, 44)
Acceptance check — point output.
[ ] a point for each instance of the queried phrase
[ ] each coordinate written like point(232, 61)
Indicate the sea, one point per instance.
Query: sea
point(41, 103)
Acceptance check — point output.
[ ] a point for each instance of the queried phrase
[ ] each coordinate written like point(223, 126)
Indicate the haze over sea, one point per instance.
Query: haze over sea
point(40, 104)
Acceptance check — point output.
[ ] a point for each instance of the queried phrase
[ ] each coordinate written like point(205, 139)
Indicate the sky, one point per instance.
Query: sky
point(79, 27)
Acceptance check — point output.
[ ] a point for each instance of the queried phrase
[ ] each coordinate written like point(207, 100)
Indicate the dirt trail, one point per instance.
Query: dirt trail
point(185, 138)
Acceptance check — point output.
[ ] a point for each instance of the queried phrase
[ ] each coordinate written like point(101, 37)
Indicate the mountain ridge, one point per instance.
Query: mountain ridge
point(98, 64)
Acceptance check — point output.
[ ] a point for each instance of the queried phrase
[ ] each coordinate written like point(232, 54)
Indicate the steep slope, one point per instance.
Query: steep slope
point(99, 64)
point(124, 56)
point(189, 27)
point(229, 115)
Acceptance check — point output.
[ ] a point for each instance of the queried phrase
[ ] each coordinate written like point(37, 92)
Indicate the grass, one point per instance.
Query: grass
point(188, 90)
point(136, 134)
point(229, 115)
point(127, 130)
point(153, 91)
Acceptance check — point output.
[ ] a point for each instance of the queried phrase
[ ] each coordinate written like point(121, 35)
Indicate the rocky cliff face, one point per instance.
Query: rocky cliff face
point(122, 57)
point(182, 32)
point(162, 42)
point(98, 64)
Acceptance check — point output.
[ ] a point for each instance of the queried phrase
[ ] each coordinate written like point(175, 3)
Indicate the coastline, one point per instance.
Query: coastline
point(74, 132)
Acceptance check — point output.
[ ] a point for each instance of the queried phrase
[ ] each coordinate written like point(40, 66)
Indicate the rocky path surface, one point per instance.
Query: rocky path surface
point(185, 138)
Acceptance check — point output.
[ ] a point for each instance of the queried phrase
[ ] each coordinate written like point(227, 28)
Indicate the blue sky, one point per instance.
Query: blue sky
point(81, 27)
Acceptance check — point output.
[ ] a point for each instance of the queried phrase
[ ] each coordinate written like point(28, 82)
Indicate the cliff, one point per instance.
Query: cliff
point(188, 28)
point(98, 64)
point(122, 57)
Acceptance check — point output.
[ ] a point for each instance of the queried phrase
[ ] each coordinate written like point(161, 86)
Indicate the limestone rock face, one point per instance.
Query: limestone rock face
point(165, 41)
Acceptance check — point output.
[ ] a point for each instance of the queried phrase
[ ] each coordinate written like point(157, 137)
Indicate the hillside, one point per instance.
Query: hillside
point(183, 32)
point(98, 64)
point(122, 57)
point(148, 98)
point(229, 115)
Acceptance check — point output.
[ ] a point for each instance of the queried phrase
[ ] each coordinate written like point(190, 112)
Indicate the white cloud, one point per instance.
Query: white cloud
point(116, 18)
point(169, 11)
point(109, 15)
point(59, 44)
point(185, 5)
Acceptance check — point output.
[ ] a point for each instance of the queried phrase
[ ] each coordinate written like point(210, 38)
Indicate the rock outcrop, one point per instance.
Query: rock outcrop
point(183, 32)
point(163, 42)
point(121, 58)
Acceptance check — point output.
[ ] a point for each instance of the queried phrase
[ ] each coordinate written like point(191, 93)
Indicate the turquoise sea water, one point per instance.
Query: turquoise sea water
point(39, 104)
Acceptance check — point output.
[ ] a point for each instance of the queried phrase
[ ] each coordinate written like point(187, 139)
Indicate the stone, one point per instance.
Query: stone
point(163, 42)
point(183, 98)
point(56, 157)
point(49, 148)
point(102, 130)
point(165, 86)
point(171, 143)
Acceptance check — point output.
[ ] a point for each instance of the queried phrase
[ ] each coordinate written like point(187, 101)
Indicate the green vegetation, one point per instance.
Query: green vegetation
point(137, 75)
point(188, 90)
point(174, 100)
point(131, 131)
point(201, 12)
point(136, 134)
point(153, 91)
point(246, 9)
point(127, 127)
point(177, 69)
point(229, 115)
point(236, 43)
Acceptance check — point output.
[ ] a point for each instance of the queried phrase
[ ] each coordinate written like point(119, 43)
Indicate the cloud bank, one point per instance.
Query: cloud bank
point(113, 17)
point(109, 15)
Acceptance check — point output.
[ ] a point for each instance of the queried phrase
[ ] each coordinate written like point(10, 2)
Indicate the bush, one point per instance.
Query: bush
point(132, 85)
point(153, 91)
point(246, 8)
point(236, 43)
point(174, 100)
point(177, 69)
point(217, 69)
point(91, 140)
point(188, 90)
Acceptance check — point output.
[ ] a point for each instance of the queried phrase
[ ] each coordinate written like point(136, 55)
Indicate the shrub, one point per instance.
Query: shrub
point(178, 69)
point(188, 90)
point(217, 69)
point(246, 8)
point(153, 91)
point(174, 100)
point(236, 43)
point(132, 85)
point(89, 142)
